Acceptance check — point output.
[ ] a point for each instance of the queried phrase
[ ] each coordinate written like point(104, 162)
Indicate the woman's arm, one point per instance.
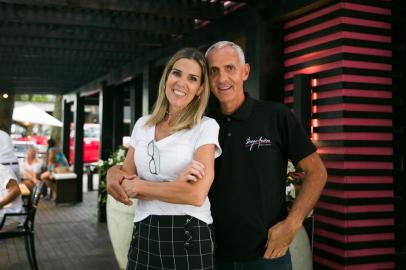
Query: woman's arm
point(180, 191)
point(116, 175)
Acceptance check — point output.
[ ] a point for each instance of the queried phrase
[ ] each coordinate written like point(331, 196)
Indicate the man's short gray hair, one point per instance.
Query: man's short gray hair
point(222, 44)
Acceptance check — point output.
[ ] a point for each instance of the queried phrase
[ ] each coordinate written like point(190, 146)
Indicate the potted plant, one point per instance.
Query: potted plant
point(102, 166)
point(119, 217)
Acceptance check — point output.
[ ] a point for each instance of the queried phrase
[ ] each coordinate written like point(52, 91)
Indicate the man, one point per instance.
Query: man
point(7, 155)
point(253, 230)
point(10, 199)
point(248, 194)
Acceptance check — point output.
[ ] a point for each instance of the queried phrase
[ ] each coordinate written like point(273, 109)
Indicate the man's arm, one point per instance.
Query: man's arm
point(116, 175)
point(13, 190)
point(182, 191)
point(281, 234)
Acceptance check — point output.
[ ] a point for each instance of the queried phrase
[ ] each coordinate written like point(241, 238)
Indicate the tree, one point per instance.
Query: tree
point(6, 112)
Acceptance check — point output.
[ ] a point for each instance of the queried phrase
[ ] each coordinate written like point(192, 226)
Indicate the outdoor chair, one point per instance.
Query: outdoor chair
point(26, 227)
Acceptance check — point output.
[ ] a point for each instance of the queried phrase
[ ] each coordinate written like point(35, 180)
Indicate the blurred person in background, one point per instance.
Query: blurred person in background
point(31, 169)
point(56, 163)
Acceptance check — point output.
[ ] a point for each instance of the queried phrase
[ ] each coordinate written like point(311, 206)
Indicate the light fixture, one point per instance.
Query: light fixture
point(5, 96)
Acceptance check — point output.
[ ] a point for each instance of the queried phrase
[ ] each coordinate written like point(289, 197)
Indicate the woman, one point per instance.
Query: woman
point(57, 163)
point(169, 150)
point(31, 168)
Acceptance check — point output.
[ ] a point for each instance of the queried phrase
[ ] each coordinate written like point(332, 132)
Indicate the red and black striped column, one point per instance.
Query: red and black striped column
point(346, 49)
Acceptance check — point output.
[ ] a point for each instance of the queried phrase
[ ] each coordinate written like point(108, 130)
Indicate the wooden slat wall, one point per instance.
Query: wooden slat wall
point(346, 47)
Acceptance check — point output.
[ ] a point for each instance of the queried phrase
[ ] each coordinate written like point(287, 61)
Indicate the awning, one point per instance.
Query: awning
point(34, 115)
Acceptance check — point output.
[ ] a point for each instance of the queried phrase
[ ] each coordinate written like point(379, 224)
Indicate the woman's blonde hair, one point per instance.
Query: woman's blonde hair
point(195, 109)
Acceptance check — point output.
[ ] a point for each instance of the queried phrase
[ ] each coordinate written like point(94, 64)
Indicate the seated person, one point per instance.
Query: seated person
point(10, 196)
point(31, 169)
point(57, 163)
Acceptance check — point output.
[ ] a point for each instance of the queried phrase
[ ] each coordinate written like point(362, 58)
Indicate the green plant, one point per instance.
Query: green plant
point(294, 180)
point(116, 158)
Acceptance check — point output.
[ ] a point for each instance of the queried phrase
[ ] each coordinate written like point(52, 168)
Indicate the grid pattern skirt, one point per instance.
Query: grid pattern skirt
point(171, 242)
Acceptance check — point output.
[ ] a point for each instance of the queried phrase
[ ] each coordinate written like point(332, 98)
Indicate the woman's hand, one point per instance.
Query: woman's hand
point(193, 172)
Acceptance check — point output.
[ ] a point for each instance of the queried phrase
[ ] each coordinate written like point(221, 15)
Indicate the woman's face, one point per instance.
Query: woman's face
point(183, 84)
point(31, 153)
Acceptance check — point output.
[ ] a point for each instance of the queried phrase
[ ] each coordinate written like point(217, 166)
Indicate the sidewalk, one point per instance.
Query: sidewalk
point(67, 237)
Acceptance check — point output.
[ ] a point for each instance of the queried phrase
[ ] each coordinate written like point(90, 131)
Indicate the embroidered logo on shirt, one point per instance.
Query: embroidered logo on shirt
point(261, 142)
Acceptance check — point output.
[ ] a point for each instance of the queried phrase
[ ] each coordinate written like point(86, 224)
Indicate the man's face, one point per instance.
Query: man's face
point(227, 75)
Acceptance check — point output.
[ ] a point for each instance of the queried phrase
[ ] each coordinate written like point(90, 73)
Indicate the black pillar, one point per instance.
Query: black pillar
point(302, 102)
point(79, 116)
point(118, 118)
point(66, 120)
point(135, 89)
point(150, 84)
point(106, 121)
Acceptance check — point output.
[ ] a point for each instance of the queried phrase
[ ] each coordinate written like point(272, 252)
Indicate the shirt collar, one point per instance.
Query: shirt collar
point(243, 112)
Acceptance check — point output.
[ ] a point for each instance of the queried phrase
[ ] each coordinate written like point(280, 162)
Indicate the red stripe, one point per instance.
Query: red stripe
point(358, 193)
point(328, 263)
point(369, 9)
point(364, 22)
point(354, 238)
point(362, 136)
point(335, 36)
point(372, 266)
point(361, 179)
point(352, 93)
point(288, 100)
point(347, 78)
point(335, 7)
point(312, 16)
point(339, 64)
point(354, 223)
point(354, 253)
point(345, 92)
point(351, 121)
point(334, 22)
point(336, 50)
point(356, 208)
point(366, 65)
point(352, 107)
point(354, 78)
point(358, 165)
point(387, 151)
point(312, 29)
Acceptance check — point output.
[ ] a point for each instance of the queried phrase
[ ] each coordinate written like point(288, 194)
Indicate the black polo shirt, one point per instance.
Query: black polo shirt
point(248, 193)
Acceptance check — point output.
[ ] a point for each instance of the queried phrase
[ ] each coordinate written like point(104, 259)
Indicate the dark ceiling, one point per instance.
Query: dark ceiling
point(55, 46)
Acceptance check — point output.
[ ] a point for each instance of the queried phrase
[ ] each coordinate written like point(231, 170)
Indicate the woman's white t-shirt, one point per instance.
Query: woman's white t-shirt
point(175, 153)
point(33, 167)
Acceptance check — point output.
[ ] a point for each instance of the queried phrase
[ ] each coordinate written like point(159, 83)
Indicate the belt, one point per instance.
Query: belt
point(9, 163)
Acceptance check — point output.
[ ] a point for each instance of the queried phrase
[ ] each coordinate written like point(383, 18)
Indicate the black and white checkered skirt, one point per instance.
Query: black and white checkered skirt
point(171, 242)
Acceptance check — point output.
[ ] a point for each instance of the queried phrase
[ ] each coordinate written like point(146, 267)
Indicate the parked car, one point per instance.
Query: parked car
point(91, 143)
point(22, 144)
point(21, 147)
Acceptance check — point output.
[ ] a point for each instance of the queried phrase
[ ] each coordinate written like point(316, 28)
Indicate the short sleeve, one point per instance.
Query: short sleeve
point(208, 134)
point(7, 174)
point(138, 125)
point(296, 142)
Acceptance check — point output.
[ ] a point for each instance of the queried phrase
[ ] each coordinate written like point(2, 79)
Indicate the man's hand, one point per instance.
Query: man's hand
point(128, 185)
point(279, 238)
point(192, 172)
point(115, 177)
